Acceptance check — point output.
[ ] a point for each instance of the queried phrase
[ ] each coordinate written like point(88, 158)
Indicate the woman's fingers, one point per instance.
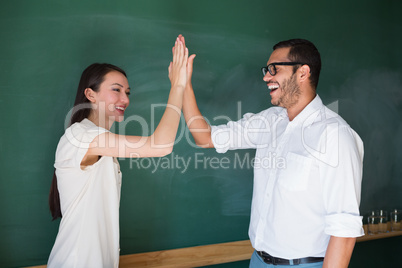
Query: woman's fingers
point(185, 57)
point(182, 52)
point(177, 68)
point(179, 51)
point(181, 38)
point(175, 51)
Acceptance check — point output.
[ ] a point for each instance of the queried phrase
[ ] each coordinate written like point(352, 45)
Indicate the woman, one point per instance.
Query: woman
point(88, 175)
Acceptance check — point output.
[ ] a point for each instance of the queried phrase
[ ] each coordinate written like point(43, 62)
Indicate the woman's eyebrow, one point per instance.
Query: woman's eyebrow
point(117, 84)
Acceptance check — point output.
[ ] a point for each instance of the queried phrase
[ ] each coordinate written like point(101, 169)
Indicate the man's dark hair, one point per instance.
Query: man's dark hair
point(302, 50)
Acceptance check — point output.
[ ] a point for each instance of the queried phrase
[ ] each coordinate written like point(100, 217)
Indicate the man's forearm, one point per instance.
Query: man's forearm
point(339, 252)
point(196, 123)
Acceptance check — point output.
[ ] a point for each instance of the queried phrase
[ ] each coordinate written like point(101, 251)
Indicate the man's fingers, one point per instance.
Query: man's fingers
point(191, 60)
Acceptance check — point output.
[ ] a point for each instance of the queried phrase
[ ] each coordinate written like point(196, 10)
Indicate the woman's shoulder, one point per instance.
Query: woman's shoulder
point(76, 139)
point(80, 134)
point(82, 126)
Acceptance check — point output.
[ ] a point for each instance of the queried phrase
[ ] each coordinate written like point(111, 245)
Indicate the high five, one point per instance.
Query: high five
point(86, 185)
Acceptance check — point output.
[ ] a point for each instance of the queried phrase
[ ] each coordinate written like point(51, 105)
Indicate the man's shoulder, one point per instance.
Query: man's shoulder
point(269, 113)
point(333, 124)
point(331, 117)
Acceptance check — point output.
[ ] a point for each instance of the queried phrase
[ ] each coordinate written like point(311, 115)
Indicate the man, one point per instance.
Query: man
point(305, 211)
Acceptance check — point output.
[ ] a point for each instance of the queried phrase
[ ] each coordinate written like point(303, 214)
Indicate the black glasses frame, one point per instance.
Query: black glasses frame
point(271, 68)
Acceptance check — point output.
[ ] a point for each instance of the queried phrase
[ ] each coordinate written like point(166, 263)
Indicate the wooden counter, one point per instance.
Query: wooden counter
point(205, 255)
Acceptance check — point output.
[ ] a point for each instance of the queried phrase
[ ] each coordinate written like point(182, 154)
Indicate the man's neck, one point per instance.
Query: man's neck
point(299, 106)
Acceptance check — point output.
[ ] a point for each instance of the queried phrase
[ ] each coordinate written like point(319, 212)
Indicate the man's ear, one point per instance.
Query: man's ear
point(304, 72)
point(90, 94)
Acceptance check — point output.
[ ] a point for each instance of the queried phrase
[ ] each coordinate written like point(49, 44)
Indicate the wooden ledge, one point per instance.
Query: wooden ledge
point(379, 236)
point(192, 256)
point(205, 255)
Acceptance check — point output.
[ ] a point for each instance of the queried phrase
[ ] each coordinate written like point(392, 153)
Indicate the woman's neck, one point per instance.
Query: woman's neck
point(100, 122)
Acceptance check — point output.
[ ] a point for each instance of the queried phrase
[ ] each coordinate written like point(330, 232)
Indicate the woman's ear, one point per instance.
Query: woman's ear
point(90, 94)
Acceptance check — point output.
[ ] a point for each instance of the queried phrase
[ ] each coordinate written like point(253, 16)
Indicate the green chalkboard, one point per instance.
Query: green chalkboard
point(193, 196)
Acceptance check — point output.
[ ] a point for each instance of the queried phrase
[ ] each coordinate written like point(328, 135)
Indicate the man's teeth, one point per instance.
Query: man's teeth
point(272, 87)
point(120, 108)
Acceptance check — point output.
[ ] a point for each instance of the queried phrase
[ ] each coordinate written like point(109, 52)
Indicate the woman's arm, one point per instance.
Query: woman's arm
point(161, 142)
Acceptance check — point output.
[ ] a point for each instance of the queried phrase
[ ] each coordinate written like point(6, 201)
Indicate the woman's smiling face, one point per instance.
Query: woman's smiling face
point(111, 100)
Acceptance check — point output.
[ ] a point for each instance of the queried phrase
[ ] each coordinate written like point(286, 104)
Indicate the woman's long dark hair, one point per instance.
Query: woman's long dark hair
point(92, 77)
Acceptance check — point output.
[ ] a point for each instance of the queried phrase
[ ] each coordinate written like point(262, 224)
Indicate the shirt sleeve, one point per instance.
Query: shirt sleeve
point(242, 134)
point(341, 170)
point(76, 143)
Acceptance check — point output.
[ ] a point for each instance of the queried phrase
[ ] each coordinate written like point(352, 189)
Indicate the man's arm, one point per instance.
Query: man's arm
point(196, 123)
point(339, 252)
point(341, 176)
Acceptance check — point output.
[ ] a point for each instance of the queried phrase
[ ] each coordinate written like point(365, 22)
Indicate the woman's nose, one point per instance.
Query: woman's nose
point(125, 99)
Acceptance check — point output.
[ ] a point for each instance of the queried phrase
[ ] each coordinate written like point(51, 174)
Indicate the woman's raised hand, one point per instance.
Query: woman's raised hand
point(190, 62)
point(178, 67)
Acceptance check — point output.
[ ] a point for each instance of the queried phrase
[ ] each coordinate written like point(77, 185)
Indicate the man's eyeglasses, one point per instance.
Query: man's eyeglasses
point(272, 69)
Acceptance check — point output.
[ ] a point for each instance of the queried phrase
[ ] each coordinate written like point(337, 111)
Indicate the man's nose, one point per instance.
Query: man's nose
point(267, 77)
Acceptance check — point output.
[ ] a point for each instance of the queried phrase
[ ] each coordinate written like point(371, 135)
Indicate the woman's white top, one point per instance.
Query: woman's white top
point(89, 229)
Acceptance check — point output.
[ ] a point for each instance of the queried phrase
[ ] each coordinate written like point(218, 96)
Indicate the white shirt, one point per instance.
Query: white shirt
point(89, 229)
point(307, 178)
